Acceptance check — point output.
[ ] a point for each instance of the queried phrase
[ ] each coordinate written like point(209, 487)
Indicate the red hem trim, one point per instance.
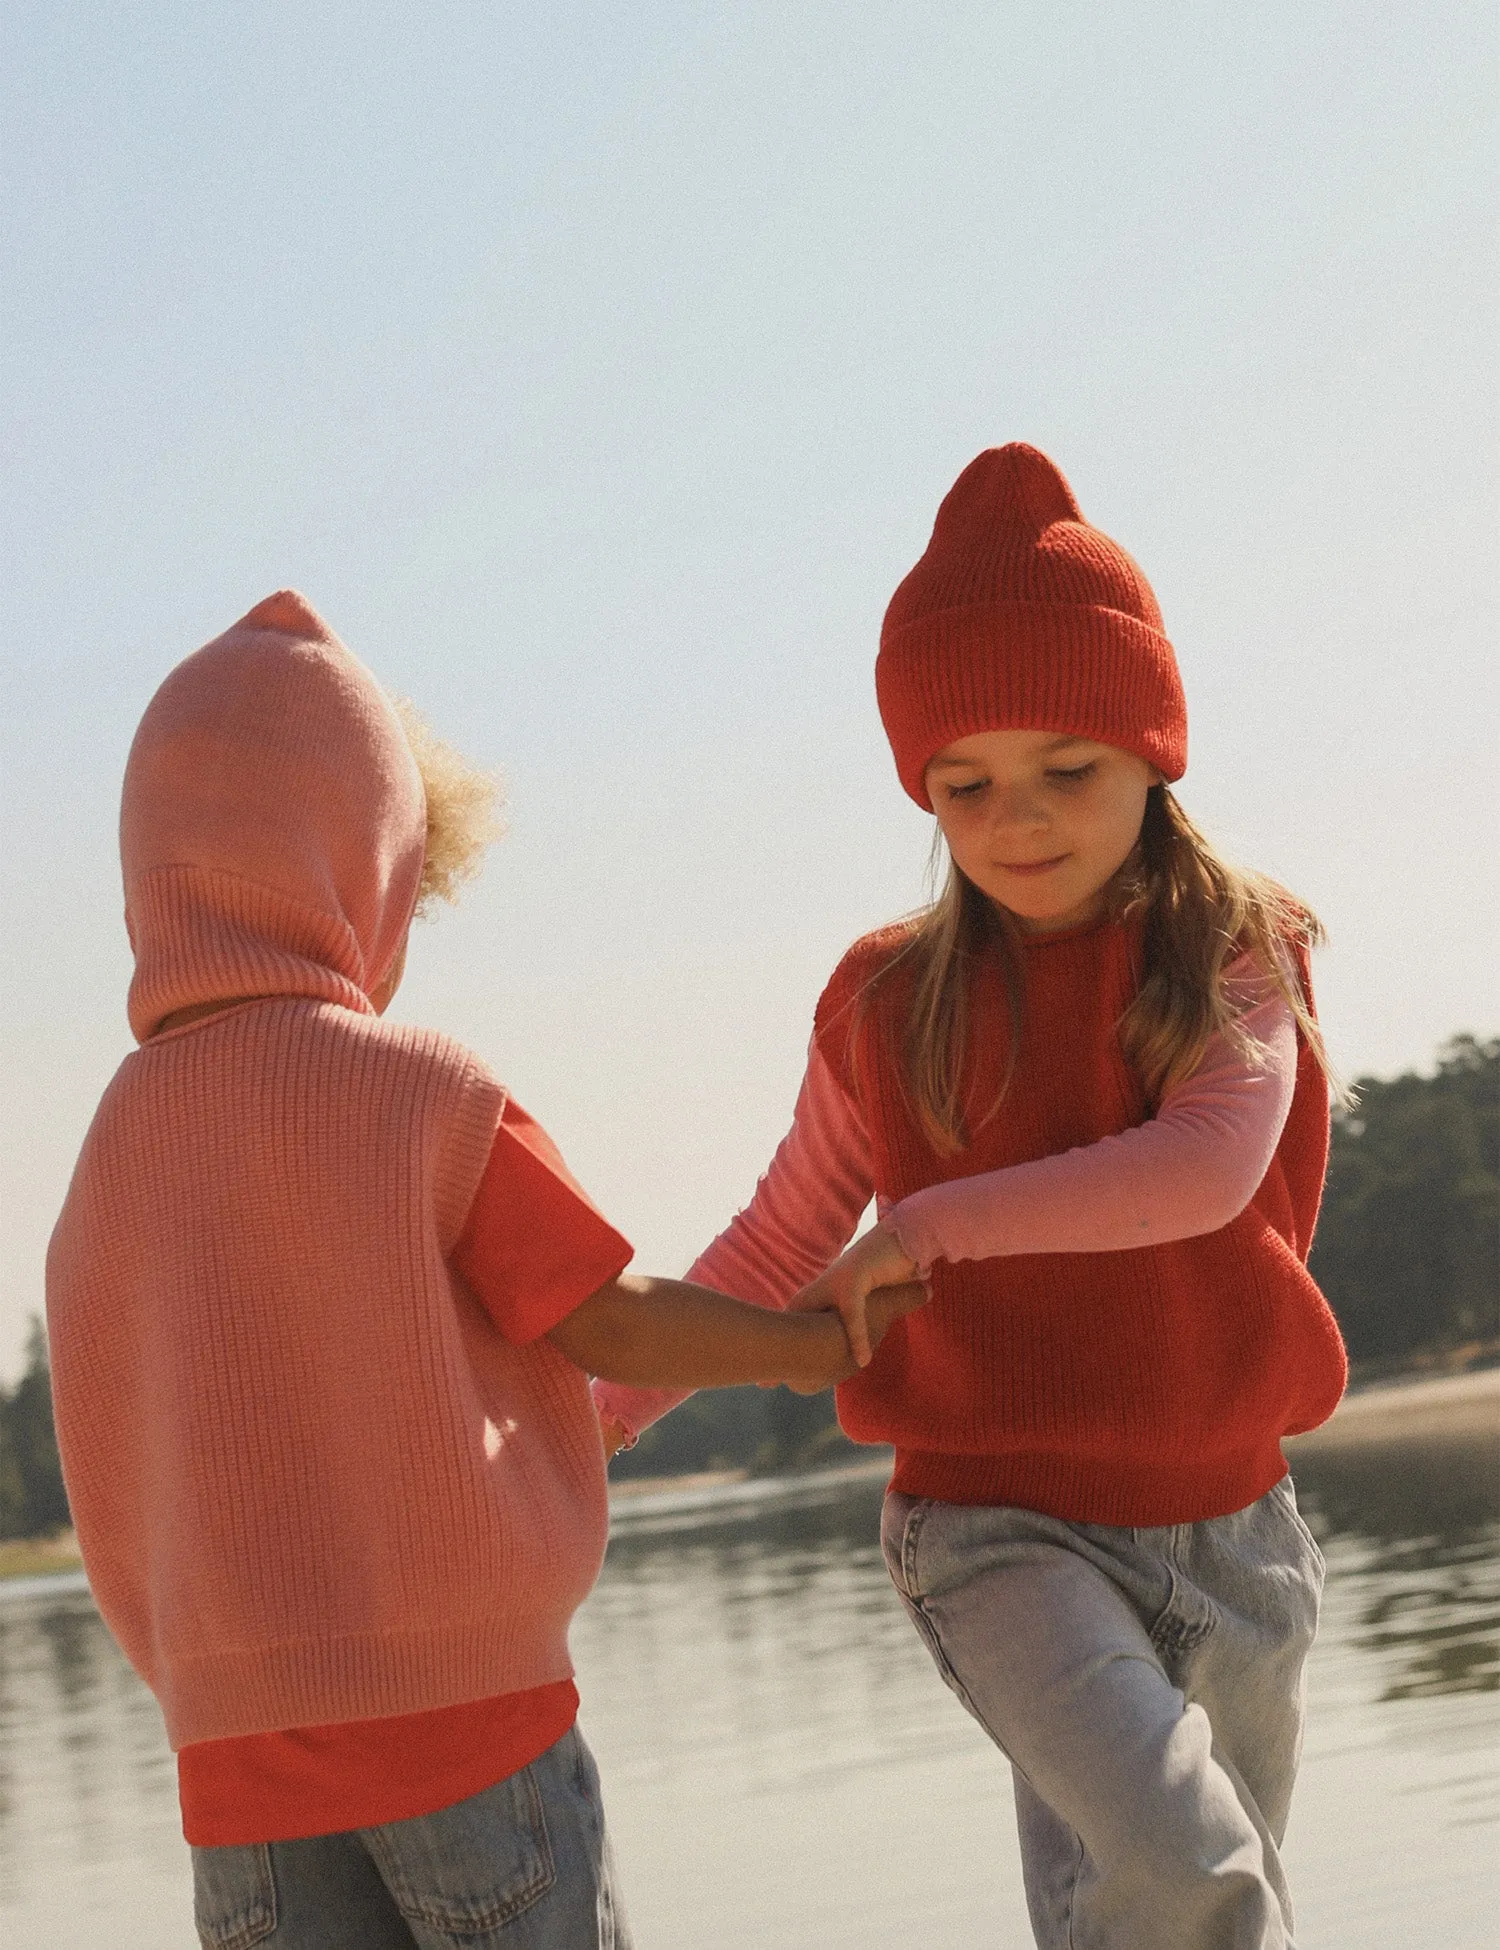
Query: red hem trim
point(1119, 1493)
point(227, 1801)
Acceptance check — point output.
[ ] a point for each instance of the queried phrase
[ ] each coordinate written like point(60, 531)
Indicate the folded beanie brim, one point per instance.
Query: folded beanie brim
point(1078, 668)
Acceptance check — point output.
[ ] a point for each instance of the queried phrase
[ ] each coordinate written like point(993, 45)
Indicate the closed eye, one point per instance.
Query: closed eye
point(969, 791)
point(1075, 774)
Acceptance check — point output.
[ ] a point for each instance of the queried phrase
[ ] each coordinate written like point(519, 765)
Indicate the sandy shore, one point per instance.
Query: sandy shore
point(1456, 1405)
point(39, 1557)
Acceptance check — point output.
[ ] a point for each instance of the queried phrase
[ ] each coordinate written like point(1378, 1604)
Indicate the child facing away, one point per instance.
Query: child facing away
point(321, 1302)
point(1087, 1091)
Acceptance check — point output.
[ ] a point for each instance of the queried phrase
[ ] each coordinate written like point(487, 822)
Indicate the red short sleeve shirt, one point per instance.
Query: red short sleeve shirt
point(533, 1247)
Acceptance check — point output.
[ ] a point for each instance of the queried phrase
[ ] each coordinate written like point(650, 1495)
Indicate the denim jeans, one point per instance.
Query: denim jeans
point(1147, 1688)
point(523, 1866)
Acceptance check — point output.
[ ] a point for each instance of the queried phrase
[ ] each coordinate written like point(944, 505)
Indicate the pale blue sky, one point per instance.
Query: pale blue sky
point(597, 373)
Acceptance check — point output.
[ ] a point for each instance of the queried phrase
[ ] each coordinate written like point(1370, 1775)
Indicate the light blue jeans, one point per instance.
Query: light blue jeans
point(523, 1866)
point(1147, 1688)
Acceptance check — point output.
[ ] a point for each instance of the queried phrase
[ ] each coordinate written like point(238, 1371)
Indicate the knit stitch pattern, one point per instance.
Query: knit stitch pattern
point(1021, 615)
point(1140, 1387)
point(312, 1481)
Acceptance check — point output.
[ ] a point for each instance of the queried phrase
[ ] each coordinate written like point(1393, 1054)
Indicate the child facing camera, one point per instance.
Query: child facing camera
point(323, 1303)
point(1088, 1093)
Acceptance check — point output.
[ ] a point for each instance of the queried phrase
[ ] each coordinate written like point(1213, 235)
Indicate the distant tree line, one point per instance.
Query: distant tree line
point(1408, 1242)
point(1407, 1250)
point(32, 1500)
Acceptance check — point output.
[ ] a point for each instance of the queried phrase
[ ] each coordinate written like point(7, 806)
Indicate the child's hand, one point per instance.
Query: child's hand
point(873, 1263)
point(829, 1358)
point(671, 1334)
point(615, 1435)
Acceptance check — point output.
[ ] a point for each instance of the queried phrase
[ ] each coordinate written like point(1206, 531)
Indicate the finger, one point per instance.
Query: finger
point(893, 1301)
point(857, 1327)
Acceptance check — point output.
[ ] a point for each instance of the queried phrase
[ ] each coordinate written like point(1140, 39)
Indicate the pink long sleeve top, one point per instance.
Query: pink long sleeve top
point(1188, 1170)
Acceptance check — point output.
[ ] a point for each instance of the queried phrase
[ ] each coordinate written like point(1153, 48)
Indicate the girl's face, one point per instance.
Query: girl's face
point(1039, 821)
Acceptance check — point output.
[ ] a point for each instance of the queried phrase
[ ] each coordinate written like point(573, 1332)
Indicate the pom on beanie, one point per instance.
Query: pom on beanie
point(1020, 616)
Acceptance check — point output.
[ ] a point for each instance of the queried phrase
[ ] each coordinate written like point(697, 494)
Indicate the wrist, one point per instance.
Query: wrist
point(822, 1347)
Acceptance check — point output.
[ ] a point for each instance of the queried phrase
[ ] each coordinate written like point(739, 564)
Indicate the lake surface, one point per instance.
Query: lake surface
point(783, 1767)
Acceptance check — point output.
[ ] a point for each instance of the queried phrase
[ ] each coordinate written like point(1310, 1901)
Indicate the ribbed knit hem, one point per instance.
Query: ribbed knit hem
point(1123, 1493)
point(1048, 666)
point(360, 1676)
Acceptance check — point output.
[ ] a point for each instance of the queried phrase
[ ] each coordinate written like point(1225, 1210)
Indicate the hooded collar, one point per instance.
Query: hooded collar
point(273, 823)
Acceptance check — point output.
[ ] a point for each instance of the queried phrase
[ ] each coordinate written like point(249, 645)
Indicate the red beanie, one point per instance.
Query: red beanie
point(1022, 617)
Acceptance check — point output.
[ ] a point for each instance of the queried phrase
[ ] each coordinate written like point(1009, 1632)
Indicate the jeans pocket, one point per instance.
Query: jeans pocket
point(473, 1868)
point(234, 1896)
point(1184, 1621)
point(1286, 1495)
point(901, 1522)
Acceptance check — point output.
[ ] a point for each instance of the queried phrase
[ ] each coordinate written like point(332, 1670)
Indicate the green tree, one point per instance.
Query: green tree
point(720, 1428)
point(32, 1498)
point(12, 1490)
point(802, 1431)
point(1408, 1245)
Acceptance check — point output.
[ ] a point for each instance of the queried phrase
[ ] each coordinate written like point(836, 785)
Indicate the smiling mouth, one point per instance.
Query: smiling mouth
point(1030, 868)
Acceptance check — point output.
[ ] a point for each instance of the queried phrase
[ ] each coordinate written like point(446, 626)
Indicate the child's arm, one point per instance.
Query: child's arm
point(542, 1261)
point(668, 1333)
point(803, 1213)
point(1189, 1170)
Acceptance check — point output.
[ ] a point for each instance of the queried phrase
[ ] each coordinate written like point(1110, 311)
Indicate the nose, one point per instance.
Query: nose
point(1017, 809)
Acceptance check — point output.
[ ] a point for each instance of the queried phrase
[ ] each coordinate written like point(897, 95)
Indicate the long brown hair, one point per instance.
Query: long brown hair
point(1198, 914)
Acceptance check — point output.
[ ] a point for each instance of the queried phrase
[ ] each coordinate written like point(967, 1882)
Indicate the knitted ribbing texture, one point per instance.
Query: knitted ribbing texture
point(1022, 616)
point(311, 1480)
point(1141, 1387)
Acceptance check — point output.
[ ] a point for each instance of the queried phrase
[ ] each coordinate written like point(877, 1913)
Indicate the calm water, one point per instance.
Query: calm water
point(784, 1769)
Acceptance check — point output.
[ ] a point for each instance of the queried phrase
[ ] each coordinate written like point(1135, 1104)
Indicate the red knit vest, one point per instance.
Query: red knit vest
point(1142, 1387)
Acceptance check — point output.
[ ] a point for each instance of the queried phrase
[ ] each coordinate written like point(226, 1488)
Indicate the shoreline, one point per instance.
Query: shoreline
point(1450, 1407)
point(1421, 1406)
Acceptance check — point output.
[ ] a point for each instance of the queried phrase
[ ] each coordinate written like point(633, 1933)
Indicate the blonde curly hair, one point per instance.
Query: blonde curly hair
point(463, 809)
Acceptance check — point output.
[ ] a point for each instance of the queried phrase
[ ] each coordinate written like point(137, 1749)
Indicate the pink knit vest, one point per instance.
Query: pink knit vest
point(312, 1482)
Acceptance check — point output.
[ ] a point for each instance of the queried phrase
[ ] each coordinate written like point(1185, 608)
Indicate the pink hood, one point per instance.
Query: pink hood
point(273, 824)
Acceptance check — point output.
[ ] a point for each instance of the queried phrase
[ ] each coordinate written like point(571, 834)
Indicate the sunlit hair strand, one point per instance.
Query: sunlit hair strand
point(463, 807)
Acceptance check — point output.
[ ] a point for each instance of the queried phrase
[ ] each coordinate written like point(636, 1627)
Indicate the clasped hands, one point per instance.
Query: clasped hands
point(871, 1284)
